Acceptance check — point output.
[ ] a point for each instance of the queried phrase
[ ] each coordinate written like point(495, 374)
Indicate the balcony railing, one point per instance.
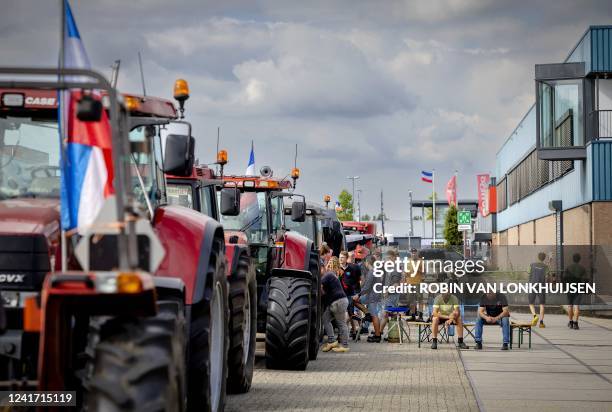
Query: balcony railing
point(602, 123)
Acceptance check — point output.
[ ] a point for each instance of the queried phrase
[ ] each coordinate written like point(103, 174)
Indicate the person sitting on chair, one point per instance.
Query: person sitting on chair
point(493, 310)
point(446, 311)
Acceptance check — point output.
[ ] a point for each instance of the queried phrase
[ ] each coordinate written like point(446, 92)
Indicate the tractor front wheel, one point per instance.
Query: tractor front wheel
point(208, 340)
point(139, 363)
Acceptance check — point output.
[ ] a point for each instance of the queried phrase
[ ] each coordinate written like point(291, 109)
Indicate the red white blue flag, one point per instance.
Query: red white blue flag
point(426, 176)
point(87, 163)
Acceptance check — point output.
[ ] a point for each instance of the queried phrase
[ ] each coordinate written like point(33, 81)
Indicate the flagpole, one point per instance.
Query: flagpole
point(64, 239)
point(433, 197)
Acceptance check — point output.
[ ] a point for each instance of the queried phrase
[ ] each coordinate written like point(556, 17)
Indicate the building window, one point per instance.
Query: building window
point(561, 113)
point(502, 199)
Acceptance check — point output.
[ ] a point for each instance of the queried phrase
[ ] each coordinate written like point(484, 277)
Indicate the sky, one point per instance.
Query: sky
point(378, 89)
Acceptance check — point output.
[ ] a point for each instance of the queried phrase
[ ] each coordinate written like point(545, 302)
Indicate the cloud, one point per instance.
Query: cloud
point(376, 89)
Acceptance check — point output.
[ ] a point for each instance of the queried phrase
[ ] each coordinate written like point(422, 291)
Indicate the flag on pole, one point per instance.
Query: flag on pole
point(250, 170)
point(426, 176)
point(87, 163)
point(451, 191)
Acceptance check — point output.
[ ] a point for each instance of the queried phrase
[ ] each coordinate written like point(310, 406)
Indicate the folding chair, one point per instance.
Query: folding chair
point(398, 314)
point(469, 321)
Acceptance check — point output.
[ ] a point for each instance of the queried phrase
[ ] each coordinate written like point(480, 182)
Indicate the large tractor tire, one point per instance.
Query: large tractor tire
point(138, 364)
point(316, 326)
point(288, 323)
point(243, 328)
point(208, 339)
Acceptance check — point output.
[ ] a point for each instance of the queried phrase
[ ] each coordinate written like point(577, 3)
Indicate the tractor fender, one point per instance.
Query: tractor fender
point(232, 257)
point(297, 251)
point(169, 288)
point(188, 238)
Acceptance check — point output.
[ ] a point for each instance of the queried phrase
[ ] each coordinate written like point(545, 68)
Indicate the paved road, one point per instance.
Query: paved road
point(566, 370)
point(372, 377)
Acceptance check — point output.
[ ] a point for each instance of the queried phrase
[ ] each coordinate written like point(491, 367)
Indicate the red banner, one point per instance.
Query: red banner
point(483, 192)
point(451, 191)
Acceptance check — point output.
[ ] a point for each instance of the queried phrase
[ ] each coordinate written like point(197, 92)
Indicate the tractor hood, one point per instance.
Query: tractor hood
point(28, 216)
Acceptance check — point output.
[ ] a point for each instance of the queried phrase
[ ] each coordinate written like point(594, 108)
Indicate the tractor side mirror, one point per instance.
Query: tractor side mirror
point(89, 109)
point(179, 155)
point(230, 201)
point(298, 211)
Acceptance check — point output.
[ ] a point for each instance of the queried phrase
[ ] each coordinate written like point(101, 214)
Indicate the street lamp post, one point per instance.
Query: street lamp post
point(359, 205)
point(410, 233)
point(353, 178)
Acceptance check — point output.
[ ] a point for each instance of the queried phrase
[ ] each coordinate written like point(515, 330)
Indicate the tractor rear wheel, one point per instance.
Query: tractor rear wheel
point(316, 326)
point(139, 364)
point(288, 323)
point(243, 328)
point(208, 342)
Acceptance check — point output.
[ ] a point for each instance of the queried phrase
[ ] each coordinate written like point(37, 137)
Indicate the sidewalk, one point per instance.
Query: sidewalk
point(565, 369)
point(371, 377)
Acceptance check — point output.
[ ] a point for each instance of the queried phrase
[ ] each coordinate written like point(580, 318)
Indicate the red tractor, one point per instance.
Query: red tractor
point(286, 267)
point(139, 320)
point(198, 192)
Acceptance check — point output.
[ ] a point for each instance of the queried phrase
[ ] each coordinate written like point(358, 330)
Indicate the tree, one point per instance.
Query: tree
point(452, 235)
point(429, 210)
point(380, 216)
point(366, 218)
point(346, 203)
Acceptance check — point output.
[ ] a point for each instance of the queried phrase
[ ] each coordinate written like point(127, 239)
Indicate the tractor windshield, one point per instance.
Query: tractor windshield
point(29, 158)
point(252, 219)
point(305, 228)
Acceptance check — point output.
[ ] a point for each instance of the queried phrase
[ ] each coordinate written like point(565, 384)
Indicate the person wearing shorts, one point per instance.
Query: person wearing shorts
point(537, 275)
point(393, 278)
point(369, 301)
point(575, 273)
point(446, 310)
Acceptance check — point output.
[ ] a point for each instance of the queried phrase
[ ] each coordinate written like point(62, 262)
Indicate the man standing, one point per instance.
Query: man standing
point(575, 273)
point(537, 275)
point(446, 311)
point(493, 310)
point(350, 277)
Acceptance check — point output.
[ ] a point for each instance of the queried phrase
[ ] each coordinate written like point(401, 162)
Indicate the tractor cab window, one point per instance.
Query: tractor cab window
point(144, 172)
point(207, 199)
point(252, 220)
point(180, 195)
point(29, 158)
point(277, 213)
point(305, 228)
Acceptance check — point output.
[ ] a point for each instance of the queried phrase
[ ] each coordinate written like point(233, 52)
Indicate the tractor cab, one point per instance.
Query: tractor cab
point(321, 225)
point(260, 220)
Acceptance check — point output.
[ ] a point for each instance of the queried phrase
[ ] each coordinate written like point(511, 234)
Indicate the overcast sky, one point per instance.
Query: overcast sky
point(377, 89)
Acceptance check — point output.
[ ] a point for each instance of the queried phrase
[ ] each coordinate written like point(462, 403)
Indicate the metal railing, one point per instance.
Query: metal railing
point(602, 123)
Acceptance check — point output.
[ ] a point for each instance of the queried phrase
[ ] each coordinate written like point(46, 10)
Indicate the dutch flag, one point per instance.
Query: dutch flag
point(250, 170)
point(87, 163)
point(426, 176)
